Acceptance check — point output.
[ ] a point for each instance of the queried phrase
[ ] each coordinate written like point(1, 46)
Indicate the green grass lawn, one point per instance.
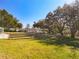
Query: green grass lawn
point(33, 49)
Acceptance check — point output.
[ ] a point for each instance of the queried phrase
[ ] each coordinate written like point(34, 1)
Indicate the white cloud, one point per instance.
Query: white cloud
point(68, 1)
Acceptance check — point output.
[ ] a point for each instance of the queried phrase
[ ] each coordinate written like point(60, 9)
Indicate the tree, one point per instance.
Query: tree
point(19, 25)
point(59, 19)
point(8, 21)
point(39, 24)
point(72, 17)
point(68, 16)
point(55, 20)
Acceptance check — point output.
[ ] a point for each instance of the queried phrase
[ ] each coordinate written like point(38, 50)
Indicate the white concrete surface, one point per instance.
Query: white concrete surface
point(4, 36)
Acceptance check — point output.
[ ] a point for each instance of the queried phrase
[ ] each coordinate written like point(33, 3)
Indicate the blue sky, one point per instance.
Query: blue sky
point(28, 11)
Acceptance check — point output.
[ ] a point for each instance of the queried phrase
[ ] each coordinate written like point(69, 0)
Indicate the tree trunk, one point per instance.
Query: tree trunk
point(73, 35)
point(73, 32)
point(49, 30)
point(61, 34)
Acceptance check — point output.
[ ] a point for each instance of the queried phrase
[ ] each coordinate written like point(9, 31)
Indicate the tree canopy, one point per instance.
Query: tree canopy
point(8, 20)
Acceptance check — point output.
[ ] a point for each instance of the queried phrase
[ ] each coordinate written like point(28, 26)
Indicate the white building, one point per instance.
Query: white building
point(34, 30)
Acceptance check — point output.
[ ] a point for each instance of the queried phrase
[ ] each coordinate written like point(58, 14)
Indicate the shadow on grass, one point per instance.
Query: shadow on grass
point(21, 38)
point(65, 41)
